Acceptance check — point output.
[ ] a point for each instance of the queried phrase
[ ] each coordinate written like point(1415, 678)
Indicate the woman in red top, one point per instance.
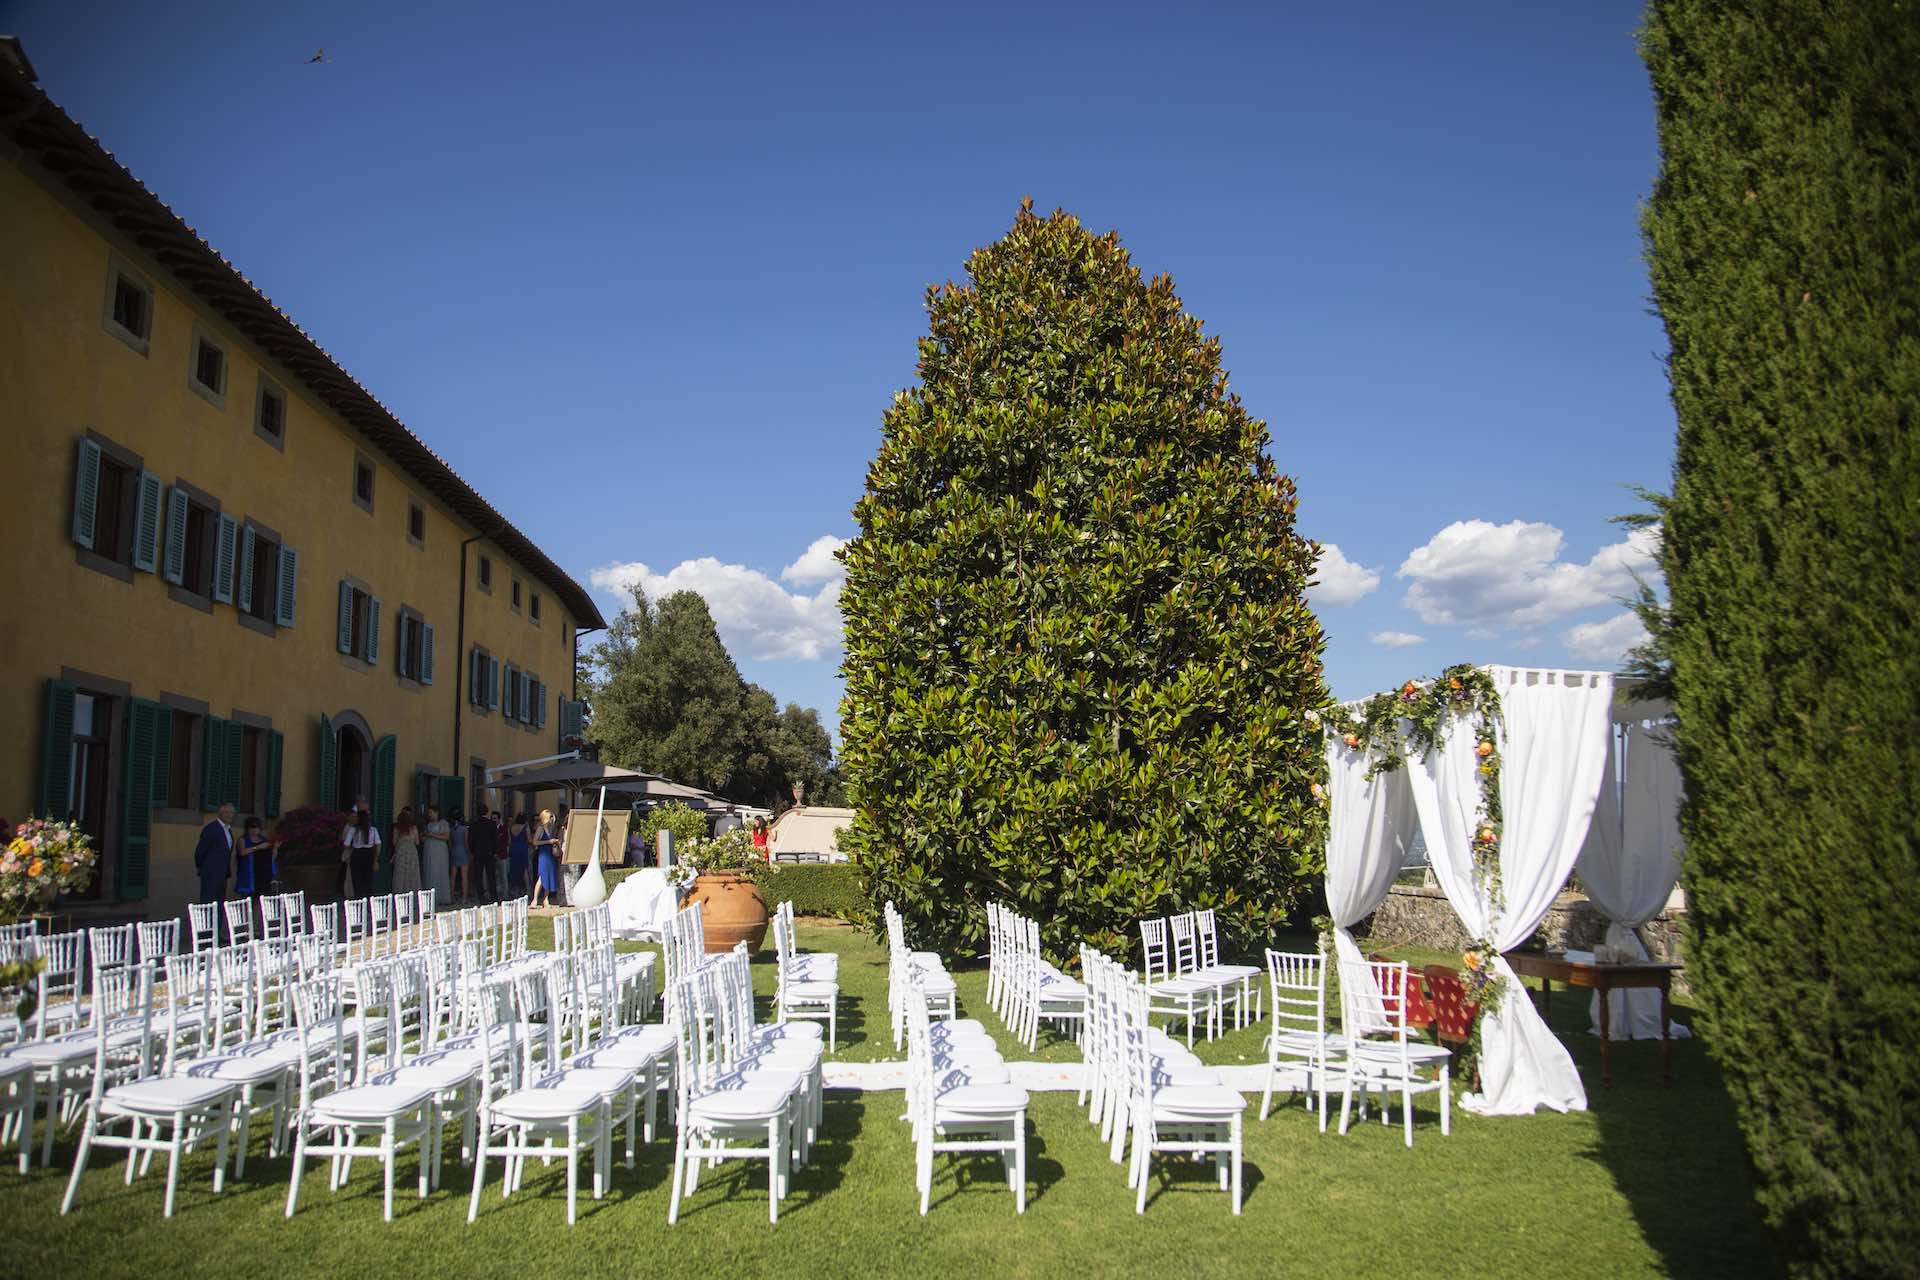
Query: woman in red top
point(760, 839)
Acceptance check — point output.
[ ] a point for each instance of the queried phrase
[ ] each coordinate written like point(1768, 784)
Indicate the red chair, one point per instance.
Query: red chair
point(1420, 1011)
point(1453, 1013)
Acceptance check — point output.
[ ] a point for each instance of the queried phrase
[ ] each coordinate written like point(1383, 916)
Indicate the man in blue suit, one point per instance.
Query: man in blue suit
point(213, 857)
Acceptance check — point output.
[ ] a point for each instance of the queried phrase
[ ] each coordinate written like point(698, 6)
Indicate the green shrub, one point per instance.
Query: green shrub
point(1784, 240)
point(830, 890)
point(688, 825)
point(1078, 644)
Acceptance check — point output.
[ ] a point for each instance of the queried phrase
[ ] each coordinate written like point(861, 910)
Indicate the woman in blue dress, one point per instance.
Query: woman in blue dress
point(518, 851)
point(546, 844)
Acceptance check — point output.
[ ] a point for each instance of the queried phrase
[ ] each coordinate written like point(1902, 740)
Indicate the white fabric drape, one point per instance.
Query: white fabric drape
point(1370, 824)
point(643, 904)
point(1631, 860)
point(1554, 749)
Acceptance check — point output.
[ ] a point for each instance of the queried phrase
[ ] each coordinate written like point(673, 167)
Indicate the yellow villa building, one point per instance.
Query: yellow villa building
point(231, 573)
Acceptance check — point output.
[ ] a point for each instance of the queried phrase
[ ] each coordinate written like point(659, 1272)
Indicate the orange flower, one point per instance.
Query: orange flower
point(1453, 682)
point(1353, 739)
point(35, 867)
point(1471, 959)
point(1484, 750)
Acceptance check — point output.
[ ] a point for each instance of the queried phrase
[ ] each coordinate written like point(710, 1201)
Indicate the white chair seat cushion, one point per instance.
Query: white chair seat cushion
point(12, 1069)
point(1377, 1053)
point(1179, 988)
point(563, 1094)
point(820, 967)
point(738, 1105)
point(1235, 971)
point(372, 1102)
point(936, 984)
point(164, 1095)
point(962, 1039)
point(977, 1099)
point(624, 1055)
point(1197, 1100)
point(437, 1072)
point(657, 1038)
point(789, 1031)
point(61, 1051)
point(970, 1062)
point(250, 1065)
point(1183, 1075)
point(781, 1080)
point(789, 1055)
point(813, 991)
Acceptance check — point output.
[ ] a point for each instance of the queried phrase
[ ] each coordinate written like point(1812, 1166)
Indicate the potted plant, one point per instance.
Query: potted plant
point(310, 848)
point(725, 875)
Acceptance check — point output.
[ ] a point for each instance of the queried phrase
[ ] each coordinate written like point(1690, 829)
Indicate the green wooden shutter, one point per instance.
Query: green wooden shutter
point(510, 706)
point(493, 683)
point(328, 761)
point(453, 793)
point(146, 522)
point(174, 567)
point(401, 654)
point(539, 704)
point(373, 630)
point(288, 604)
point(136, 809)
point(276, 745)
point(526, 697)
point(163, 755)
point(56, 752)
point(385, 752)
point(86, 501)
point(213, 747)
point(243, 585)
point(426, 653)
point(346, 617)
point(230, 775)
point(223, 559)
point(476, 678)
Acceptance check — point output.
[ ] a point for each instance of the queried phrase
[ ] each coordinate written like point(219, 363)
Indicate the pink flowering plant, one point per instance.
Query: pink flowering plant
point(43, 859)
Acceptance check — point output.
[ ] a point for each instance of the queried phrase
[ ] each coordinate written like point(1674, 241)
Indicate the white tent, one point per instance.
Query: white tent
point(1557, 743)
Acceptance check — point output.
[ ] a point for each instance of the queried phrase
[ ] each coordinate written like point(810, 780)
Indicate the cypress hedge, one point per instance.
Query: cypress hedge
point(1784, 243)
point(1078, 645)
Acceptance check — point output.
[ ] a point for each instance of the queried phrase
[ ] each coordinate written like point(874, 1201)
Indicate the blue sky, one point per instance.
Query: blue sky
point(691, 243)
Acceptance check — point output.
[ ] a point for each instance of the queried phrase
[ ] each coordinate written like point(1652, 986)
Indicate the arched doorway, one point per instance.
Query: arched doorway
point(353, 757)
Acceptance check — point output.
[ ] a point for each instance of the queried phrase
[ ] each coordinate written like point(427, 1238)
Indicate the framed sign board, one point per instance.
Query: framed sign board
point(577, 839)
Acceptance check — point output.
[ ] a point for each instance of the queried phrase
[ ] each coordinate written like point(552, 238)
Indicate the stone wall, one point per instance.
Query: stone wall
point(1420, 915)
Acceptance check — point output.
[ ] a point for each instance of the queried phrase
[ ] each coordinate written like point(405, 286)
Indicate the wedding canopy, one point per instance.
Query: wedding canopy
point(1549, 749)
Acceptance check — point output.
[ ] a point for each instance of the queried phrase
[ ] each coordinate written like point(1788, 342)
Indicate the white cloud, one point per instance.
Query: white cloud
point(817, 563)
point(1396, 639)
point(756, 616)
point(1606, 641)
point(1339, 580)
point(1492, 577)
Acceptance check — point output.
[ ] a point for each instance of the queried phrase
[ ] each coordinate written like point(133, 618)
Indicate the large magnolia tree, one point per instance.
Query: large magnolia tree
point(1078, 645)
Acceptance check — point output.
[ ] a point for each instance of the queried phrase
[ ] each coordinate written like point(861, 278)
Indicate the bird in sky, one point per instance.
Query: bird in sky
point(319, 55)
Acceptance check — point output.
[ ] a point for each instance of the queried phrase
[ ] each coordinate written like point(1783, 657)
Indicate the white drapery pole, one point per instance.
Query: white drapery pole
point(1553, 745)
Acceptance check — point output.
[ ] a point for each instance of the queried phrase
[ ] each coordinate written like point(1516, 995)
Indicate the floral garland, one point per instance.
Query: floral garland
point(1412, 720)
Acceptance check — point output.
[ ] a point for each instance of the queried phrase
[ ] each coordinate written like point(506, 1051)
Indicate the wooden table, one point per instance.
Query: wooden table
point(1603, 978)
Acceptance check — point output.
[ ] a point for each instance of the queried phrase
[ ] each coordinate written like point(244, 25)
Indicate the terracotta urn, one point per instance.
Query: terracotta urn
point(732, 910)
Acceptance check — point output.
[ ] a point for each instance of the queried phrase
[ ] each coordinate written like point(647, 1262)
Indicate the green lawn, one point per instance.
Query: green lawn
point(1651, 1181)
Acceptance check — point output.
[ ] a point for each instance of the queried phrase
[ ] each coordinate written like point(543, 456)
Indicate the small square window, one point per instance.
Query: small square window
point(129, 308)
point(270, 413)
point(363, 483)
point(533, 607)
point(486, 573)
point(209, 367)
point(416, 523)
point(516, 593)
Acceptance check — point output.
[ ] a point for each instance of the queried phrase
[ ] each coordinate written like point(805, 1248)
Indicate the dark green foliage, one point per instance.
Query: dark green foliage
point(1784, 238)
point(1078, 645)
point(668, 699)
point(832, 891)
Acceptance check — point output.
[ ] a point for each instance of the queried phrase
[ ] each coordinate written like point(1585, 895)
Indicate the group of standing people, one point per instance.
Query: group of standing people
point(486, 860)
point(248, 858)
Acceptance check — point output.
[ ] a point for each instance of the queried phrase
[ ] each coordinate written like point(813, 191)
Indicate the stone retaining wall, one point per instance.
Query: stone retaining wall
point(1422, 916)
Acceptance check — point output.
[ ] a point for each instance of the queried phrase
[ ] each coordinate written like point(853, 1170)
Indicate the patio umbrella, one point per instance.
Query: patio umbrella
point(568, 773)
point(648, 787)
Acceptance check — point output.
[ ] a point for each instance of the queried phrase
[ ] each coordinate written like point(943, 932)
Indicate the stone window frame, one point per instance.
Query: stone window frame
point(179, 593)
point(362, 459)
point(118, 266)
point(270, 386)
point(263, 626)
point(217, 397)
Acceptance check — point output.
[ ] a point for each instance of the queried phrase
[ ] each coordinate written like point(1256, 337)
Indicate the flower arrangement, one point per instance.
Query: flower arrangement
point(732, 852)
point(44, 858)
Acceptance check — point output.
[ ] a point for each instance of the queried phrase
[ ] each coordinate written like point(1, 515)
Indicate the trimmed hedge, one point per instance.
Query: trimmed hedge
point(1784, 241)
point(828, 889)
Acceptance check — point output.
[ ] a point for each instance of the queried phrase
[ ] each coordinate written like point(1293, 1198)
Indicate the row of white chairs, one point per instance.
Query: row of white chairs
point(1185, 977)
point(1143, 1085)
point(744, 1091)
point(915, 978)
point(591, 928)
point(1023, 986)
point(807, 983)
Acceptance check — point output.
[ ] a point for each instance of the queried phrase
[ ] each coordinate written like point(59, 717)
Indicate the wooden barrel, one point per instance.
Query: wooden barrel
point(732, 910)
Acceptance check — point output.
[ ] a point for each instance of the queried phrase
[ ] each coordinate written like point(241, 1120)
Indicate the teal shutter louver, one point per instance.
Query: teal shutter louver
point(426, 653)
point(345, 644)
point(146, 523)
point(86, 498)
point(174, 567)
point(243, 585)
point(223, 557)
point(373, 630)
point(289, 601)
